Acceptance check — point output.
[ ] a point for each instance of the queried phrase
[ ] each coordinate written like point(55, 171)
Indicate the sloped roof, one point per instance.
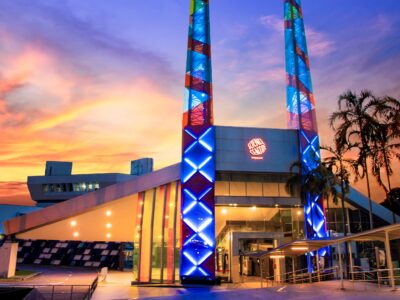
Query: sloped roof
point(90, 201)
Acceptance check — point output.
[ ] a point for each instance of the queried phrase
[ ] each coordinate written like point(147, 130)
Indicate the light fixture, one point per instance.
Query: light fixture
point(73, 223)
point(139, 216)
point(298, 212)
point(108, 235)
point(108, 225)
point(224, 211)
point(276, 205)
point(171, 204)
point(138, 226)
point(141, 202)
point(76, 234)
point(299, 248)
point(108, 213)
point(167, 217)
point(254, 207)
point(277, 256)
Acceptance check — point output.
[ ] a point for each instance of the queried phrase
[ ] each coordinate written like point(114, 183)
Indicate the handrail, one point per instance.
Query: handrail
point(295, 278)
point(377, 276)
point(92, 288)
point(86, 290)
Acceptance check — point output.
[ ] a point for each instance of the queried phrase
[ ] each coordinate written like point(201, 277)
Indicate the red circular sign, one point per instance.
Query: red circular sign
point(257, 147)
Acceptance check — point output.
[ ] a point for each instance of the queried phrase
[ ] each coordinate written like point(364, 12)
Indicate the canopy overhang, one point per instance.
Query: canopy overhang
point(300, 247)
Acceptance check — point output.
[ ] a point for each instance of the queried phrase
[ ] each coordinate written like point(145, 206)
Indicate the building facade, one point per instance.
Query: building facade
point(226, 201)
point(253, 210)
point(59, 184)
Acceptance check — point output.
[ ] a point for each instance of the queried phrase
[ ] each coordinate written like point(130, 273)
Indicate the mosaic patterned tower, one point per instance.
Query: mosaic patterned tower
point(301, 112)
point(198, 154)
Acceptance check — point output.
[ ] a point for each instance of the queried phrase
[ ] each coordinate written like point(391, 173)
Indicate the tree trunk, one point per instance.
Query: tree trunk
point(390, 188)
point(346, 248)
point(371, 220)
point(364, 144)
point(343, 209)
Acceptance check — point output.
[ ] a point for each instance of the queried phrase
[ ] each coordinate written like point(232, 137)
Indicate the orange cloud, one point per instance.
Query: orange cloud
point(66, 115)
point(14, 192)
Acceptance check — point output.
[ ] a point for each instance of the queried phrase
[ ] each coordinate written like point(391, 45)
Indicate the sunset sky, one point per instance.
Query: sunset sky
point(100, 82)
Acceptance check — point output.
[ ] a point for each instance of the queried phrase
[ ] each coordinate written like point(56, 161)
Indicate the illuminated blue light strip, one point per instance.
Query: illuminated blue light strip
point(206, 208)
point(301, 114)
point(191, 271)
point(206, 239)
point(203, 272)
point(198, 153)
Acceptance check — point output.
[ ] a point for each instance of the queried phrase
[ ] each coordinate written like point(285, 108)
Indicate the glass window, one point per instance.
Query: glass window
point(177, 231)
point(270, 189)
point(237, 188)
point(254, 189)
point(45, 188)
point(222, 188)
point(169, 233)
point(58, 188)
point(145, 250)
point(157, 247)
point(136, 240)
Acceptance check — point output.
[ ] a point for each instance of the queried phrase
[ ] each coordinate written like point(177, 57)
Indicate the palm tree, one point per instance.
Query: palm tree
point(393, 201)
point(312, 182)
point(385, 147)
point(338, 166)
point(317, 181)
point(356, 125)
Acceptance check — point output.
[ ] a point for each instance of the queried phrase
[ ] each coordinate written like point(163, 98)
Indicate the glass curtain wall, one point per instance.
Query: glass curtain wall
point(136, 239)
point(157, 239)
point(158, 222)
point(146, 236)
point(177, 230)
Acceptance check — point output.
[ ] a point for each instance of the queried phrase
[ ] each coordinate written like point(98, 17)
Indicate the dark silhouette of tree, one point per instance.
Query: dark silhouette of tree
point(339, 166)
point(392, 200)
point(355, 125)
point(385, 147)
point(318, 181)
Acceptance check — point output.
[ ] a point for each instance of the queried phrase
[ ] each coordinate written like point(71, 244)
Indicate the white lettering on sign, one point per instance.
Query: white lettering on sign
point(257, 148)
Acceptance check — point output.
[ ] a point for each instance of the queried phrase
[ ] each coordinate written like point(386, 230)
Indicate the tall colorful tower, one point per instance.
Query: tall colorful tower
point(301, 111)
point(198, 153)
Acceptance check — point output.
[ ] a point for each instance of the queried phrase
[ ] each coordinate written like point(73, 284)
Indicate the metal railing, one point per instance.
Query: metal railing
point(301, 276)
point(372, 279)
point(64, 292)
point(375, 277)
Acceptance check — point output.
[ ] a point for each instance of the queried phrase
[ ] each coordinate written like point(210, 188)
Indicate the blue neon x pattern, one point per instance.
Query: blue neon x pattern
point(198, 177)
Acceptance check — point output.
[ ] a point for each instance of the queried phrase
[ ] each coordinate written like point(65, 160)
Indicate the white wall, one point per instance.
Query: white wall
point(8, 259)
